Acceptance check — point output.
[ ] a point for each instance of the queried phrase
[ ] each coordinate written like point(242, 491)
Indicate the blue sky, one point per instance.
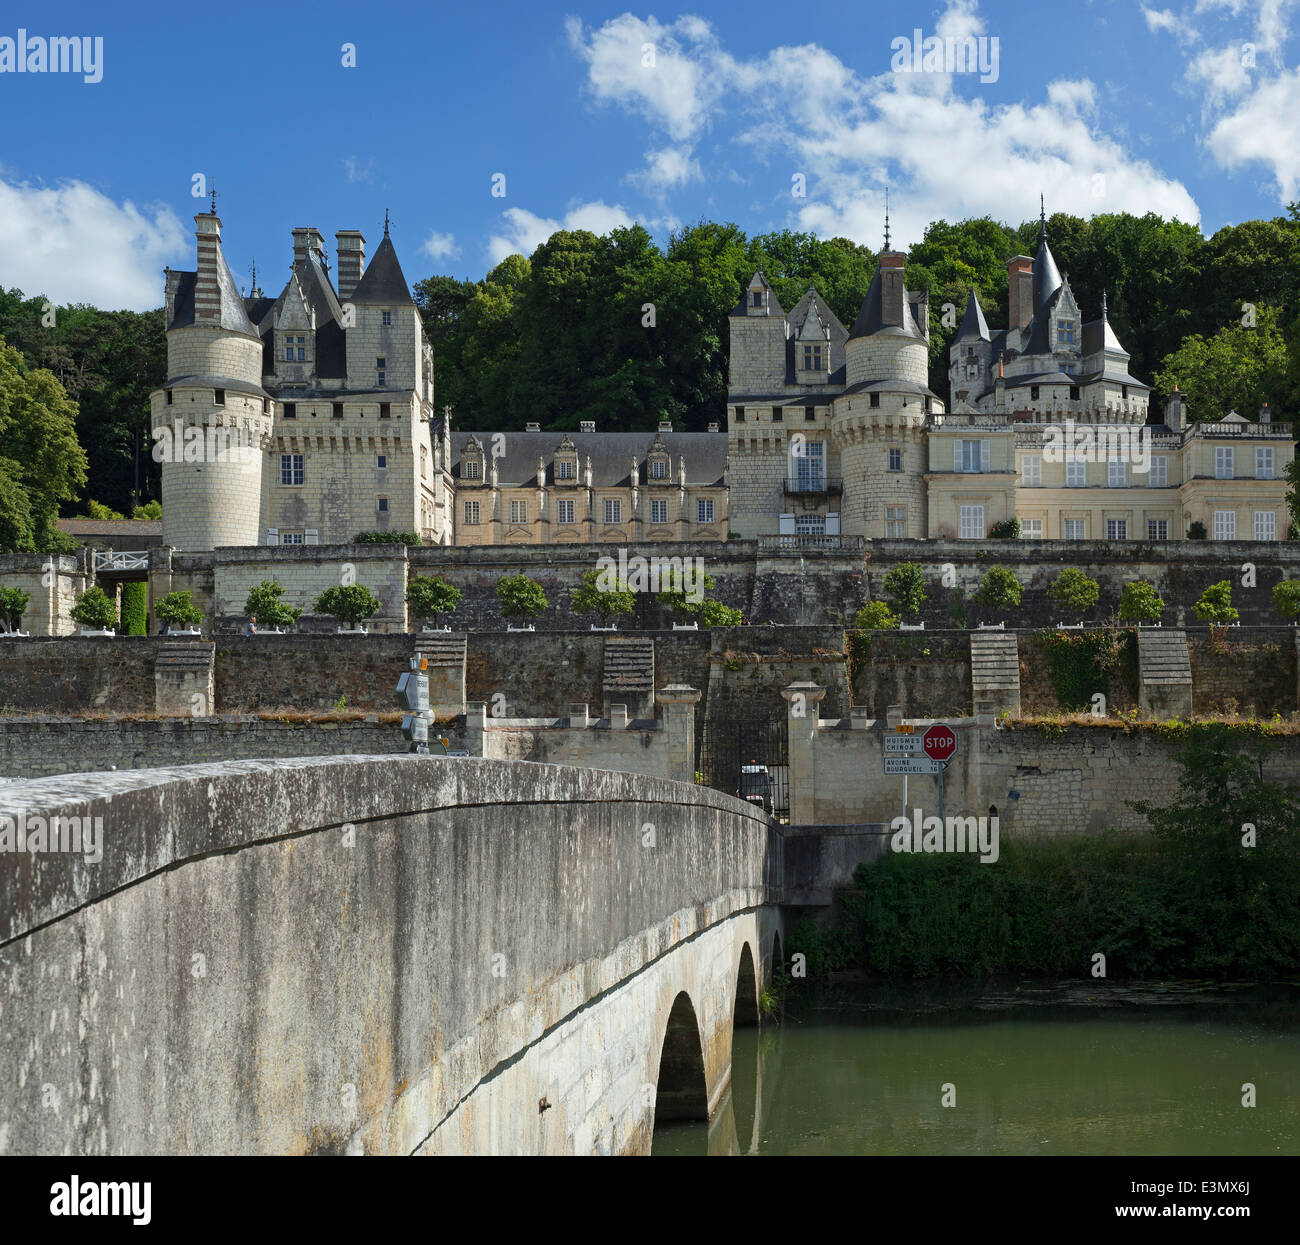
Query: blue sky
point(1188, 108)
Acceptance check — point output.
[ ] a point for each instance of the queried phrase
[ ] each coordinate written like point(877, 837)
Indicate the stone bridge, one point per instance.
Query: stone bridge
point(381, 954)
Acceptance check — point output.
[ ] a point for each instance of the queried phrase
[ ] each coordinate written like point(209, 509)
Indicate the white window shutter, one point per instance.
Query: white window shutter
point(833, 524)
point(312, 537)
point(986, 454)
point(956, 455)
point(786, 527)
point(272, 535)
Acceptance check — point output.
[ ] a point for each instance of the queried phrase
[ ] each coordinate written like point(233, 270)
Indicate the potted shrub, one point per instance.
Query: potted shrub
point(1140, 604)
point(999, 589)
point(876, 616)
point(351, 605)
point(905, 584)
point(1215, 605)
point(96, 612)
point(265, 604)
point(1286, 598)
point(520, 597)
point(180, 614)
point(431, 595)
point(13, 604)
point(1075, 592)
point(589, 598)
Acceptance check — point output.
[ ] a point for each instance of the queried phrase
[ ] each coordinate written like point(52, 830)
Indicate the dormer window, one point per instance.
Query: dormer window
point(471, 469)
point(566, 469)
point(1065, 330)
point(658, 469)
point(812, 359)
point(295, 349)
point(758, 298)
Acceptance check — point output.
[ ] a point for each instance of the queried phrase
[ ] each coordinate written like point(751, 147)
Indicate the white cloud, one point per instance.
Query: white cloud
point(1166, 20)
point(355, 171)
point(439, 246)
point(73, 244)
point(666, 169)
point(525, 231)
point(933, 137)
point(1264, 129)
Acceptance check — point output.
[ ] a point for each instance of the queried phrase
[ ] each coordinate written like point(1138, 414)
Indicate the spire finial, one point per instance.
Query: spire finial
point(252, 269)
point(1103, 304)
point(886, 218)
point(1042, 216)
point(214, 196)
point(386, 222)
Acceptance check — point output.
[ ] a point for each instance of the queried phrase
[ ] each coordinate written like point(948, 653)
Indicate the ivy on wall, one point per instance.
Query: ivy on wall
point(1082, 663)
point(134, 608)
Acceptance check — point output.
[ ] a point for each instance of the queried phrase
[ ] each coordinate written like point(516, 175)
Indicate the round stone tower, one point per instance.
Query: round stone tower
point(879, 424)
point(211, 419)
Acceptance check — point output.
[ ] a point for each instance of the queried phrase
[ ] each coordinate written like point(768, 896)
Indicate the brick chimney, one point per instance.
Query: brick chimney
point(207, 287)
point(307, 240)
point(891, 287)
point(1176, 409)
point(350, 254)
point(1020, 300)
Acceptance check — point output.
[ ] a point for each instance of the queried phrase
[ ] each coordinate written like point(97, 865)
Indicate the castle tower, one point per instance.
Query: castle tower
point(879, 422)
point(211, 419)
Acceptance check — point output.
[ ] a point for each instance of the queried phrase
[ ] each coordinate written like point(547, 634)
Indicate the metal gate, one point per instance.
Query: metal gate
point(732, 742)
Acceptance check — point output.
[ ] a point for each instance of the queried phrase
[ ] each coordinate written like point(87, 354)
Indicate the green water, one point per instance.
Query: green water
point(1035, 1070)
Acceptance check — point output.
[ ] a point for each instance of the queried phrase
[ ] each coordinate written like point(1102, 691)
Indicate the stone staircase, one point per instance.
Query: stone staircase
point(628, 674)
point(183, 678)
point(1165, 670)
point(445, 651)
point(995, 670)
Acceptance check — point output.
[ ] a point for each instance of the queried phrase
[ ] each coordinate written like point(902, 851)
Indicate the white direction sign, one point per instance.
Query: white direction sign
point(913, 765)
point(904, 745)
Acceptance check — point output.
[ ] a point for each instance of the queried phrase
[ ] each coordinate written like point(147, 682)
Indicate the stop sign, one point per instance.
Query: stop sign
point(939, 742)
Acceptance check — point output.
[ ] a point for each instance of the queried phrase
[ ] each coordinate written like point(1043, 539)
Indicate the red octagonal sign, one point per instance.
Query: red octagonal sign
point(939, 742)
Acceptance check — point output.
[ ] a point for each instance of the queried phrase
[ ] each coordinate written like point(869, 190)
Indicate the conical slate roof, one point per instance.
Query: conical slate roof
point(973, 324)
point(1047, 278)
point(383, 280)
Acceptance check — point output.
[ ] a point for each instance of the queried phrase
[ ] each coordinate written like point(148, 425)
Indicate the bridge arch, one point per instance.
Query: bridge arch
point(745, 1013)
point(681, 1091)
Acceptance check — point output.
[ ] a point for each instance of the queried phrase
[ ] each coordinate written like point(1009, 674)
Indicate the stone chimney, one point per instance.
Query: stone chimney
point(891, 287)
point(207, 287)
point(350, 257)
point(1265, 415)
point(307, 240)
point(1176, 410)
point(1020, 300)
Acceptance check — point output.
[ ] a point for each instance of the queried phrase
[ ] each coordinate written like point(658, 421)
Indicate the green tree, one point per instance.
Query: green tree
point(1140, 603)
point(715, 614)
point(431, 595)
point(351, 604)
point(96, 510)
point(13, 605)
point(1196, 531)
point(590, 598)
point(905, 585)
point(999, 589)
point(683, 608)
point(520, 597)
point(1215, 604)
point(42, 458)
point(876, 616)
point(1236, 369)
point(176, 609)
point(1074, 592)
point(95, 609)
point(150, 510)
point(1006, 529)
point(1286, 598)
point(265, 604)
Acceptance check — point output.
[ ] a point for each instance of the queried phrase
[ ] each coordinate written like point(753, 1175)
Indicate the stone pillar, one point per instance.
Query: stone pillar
point(445, 653)
point(183, 685)
point(475, 728)
point(679, 703)
point(577, 716)
point(803, 719)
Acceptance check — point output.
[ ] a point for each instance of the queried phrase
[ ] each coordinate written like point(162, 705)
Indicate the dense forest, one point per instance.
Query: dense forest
point(625, 332)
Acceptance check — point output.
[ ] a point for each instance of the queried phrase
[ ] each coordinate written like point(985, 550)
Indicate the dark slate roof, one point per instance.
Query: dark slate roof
point(214, 382)
point(891, 386)
point(233, 316)
point(1098, 336)
point(1047, 279)
point(810, 302)
point(871, 317)
point(1042, 378)
point(1039, 339)
point(773, 303)
point(611, 455)
point(973, 323)
point(382, 281)
point(256, 309)
point(1116, 376)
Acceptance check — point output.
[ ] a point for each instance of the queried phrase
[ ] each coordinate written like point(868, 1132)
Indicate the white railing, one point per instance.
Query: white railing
point(1069, 626)
point(911, 626)
point(612, 628)
point(686, 626)
point(1001, 626)
point(511, 627)
point(121, 560)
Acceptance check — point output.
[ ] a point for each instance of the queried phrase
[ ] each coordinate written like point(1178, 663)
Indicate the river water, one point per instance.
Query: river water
point(1030, 1068)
